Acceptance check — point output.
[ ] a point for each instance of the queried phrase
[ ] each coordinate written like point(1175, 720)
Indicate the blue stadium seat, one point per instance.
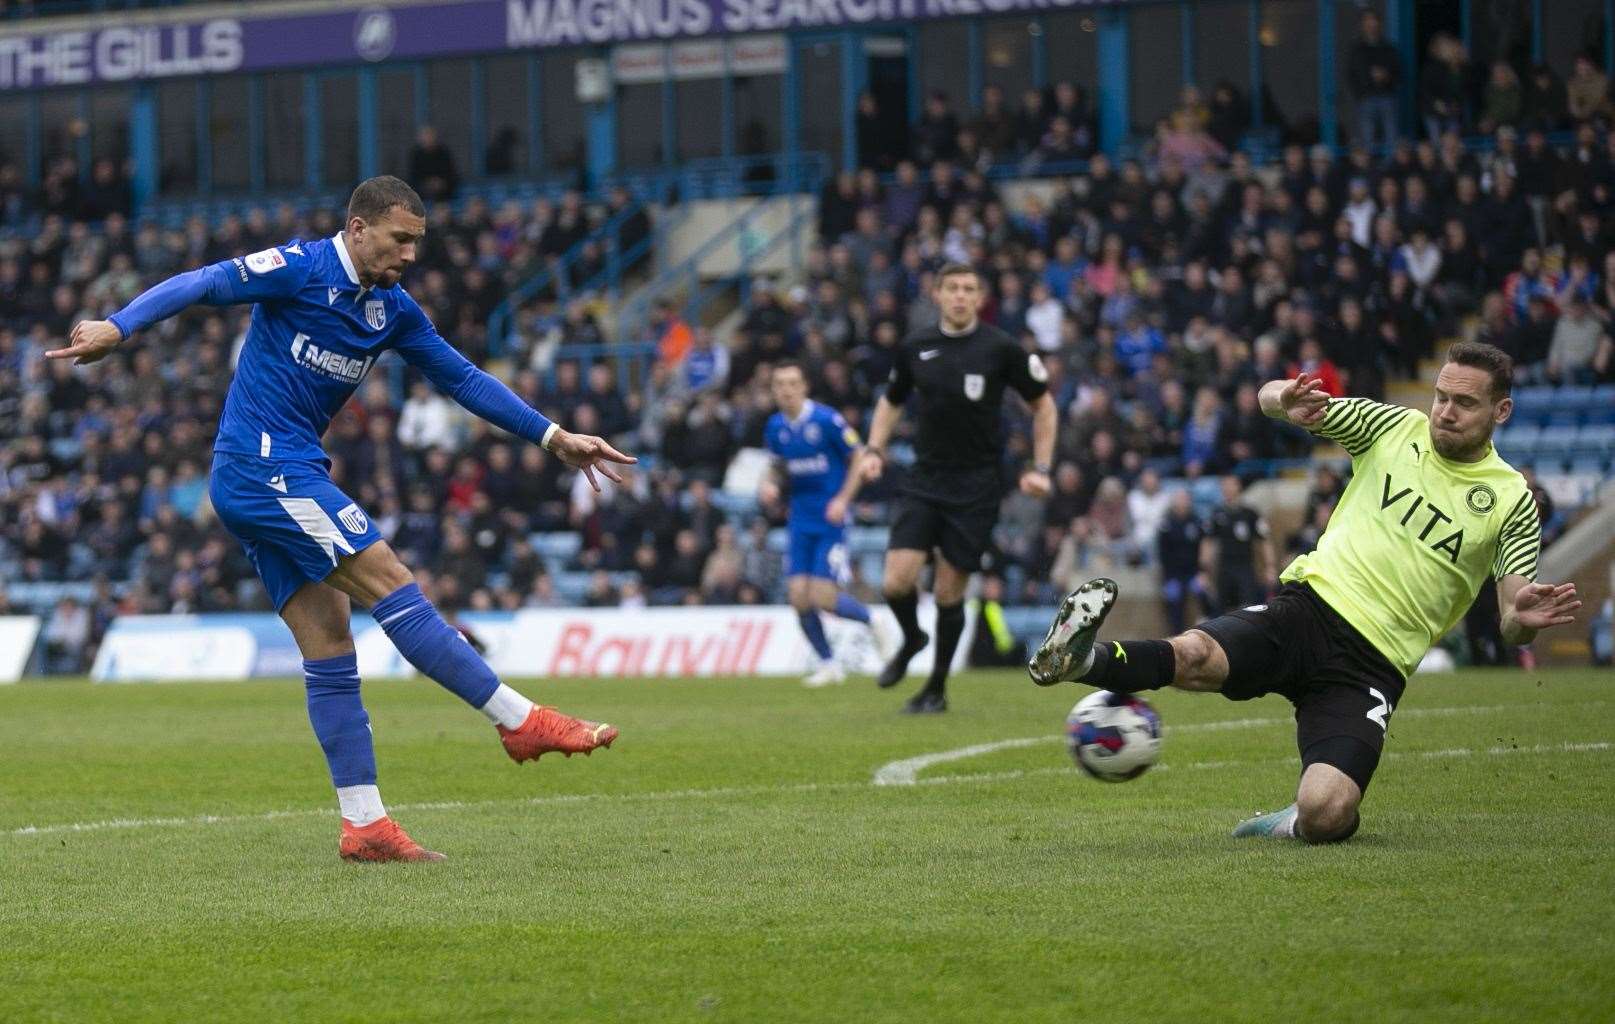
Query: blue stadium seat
point(1596, 441)
point(1564, 416)
point(1588, 465)
point(1574, 396)
point(862, 539)
point(1207, 494)
point(1516, 443)
point(1532, 400)
point(557, 548)
point(1555, 444)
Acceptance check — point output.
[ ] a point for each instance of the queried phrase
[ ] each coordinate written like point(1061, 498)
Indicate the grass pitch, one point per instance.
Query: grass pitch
point(731, 860)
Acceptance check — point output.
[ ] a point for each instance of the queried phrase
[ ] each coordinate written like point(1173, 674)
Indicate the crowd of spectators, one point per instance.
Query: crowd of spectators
point(1160, 292)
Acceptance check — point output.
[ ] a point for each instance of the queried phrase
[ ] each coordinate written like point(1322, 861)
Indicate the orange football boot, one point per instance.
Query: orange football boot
point(381, 840)
point(546, 729)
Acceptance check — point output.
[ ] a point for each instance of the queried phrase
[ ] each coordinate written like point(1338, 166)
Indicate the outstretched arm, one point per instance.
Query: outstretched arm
point(487, 397)
point(1301, 401)
point(1528, 607)
point(271, 274)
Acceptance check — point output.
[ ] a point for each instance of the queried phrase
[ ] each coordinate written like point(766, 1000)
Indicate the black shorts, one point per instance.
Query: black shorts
point(961, 532)
point(1343, 688)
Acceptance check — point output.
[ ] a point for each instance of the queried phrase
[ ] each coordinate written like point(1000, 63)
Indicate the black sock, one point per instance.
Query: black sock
point(950, 622)
point(905, 607)
point(1127, 666)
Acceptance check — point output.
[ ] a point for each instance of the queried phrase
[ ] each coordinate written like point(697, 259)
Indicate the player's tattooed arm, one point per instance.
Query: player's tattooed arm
point(1528, 607)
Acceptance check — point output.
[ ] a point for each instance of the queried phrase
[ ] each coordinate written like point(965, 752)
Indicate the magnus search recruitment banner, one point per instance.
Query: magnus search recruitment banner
point(109, 49)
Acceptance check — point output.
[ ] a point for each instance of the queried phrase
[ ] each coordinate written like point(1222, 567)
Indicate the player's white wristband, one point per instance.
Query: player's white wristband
point(549, 433)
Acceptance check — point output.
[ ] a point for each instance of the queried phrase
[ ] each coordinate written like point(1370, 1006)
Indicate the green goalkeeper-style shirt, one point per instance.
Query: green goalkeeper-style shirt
point(1415, 534)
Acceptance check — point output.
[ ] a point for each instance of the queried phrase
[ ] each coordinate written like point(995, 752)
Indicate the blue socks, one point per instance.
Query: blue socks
point(848, 607)
point(433, 646)
point(339, 719)
point(815, 633)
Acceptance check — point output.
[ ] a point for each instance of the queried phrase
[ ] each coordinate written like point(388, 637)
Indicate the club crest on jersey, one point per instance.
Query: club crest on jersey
point(810, 433)
point(375, 314)
point(353, 518)
point(1481, 499)
point(975, 386)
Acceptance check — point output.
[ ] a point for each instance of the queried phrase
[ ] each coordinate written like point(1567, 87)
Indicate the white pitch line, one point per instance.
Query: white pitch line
point(112, 824)
point(905, 772)
point(1201, 766)
point(740, 791)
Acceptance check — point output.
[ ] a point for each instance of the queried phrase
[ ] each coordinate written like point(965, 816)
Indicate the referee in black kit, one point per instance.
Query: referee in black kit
point(956, 372)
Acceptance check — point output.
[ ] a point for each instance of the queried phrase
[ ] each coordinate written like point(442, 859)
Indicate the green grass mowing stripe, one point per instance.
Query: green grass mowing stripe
point(1480, 888)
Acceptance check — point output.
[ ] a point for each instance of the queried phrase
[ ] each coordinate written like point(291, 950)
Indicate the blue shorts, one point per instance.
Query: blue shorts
point(819, 552)
point(292, 520)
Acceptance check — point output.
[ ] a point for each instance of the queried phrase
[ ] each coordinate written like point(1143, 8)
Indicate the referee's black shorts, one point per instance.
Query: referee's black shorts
point(962, 532)
point(1343, 688)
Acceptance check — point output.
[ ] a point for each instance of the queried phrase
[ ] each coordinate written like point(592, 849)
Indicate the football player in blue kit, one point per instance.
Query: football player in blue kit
point(815, 446)
point(324, 311)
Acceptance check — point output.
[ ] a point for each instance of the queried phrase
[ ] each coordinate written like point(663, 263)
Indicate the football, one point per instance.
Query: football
point(1113, 736)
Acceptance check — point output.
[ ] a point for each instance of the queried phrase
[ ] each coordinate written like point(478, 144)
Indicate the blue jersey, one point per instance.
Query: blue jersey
point(315, 334)
point(815, 449)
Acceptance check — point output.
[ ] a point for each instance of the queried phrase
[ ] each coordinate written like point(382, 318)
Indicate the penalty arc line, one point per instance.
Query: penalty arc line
point(807, 787)
point(906, 772)
point(724, 792)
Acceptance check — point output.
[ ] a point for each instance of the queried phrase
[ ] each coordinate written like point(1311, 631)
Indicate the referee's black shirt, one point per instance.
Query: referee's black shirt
point(957, 382)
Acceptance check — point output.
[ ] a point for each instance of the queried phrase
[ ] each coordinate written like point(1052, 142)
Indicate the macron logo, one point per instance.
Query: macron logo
point(331, 294)
point(332, 364)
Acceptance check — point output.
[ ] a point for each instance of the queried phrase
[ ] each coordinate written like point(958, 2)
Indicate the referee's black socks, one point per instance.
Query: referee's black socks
point(1128, 666)
point(950, 622)
point(905, 608)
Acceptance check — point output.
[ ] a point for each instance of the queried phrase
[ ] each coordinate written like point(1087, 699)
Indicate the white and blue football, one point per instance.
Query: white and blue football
point(1113, 736)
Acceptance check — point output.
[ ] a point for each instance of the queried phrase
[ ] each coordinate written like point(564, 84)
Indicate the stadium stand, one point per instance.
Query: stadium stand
point(1160, 289)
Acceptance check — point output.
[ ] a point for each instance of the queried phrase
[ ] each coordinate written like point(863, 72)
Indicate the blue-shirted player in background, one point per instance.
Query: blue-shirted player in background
point(815, 445)
point(325, 310)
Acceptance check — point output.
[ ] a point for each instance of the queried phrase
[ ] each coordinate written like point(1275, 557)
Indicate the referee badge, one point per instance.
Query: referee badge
point(1480, 499)
point(975, 386)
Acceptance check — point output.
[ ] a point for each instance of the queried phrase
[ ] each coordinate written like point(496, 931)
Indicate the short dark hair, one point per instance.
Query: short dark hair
point(954, 270)
point(1486, 357)
point(375, 198)
point(790, 364)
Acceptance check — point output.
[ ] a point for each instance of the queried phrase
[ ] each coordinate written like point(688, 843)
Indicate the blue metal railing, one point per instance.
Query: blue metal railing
point(686, 276)
point(801, 211)
point(633, 360)
point(502, 322)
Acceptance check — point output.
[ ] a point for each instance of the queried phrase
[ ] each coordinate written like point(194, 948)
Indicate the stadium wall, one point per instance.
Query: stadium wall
point(581, 643)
